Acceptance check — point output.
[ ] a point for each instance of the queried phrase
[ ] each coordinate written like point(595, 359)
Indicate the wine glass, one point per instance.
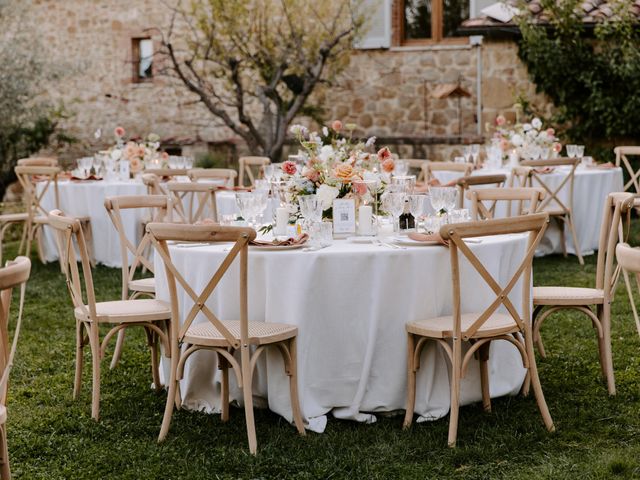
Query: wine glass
point(245, 201)
point(188, 162)
point(97, 164)
point(394, 203)
point(571, 151)
point(579, 149)
point(475, 152)
point(406, 183)
point(417, 207)
point(310, 208)
point(84, 164)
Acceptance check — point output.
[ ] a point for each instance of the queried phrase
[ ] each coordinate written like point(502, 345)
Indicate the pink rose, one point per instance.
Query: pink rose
point(164, 156)
point(557, 147)
point(119, 132)
point(500, 120)
point(388, 165)
point(551, 132)
point(336, 125)
point(289, 168)
point(311, 174)
point(359, 188)
point(383, 154)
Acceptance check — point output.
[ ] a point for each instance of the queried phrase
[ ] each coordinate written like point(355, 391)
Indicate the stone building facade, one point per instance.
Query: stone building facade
point(387, 91)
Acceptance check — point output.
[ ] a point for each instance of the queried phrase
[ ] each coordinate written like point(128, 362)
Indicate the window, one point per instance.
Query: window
point(142, 60)
point(427, 21)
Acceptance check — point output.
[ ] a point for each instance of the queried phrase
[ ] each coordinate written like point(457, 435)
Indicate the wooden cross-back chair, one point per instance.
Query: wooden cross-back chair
point(465, 184)
point(223, 176)
point(245, 165)
point(14, 274)
point(415, 165)
point(225, 337)
point(559, 210)
point(629, 261)
point(151, 314)
point(193, 202)
point(622, 159)
point(462, 169)
point(37, 216)
point(485, 200)
point(595, 303)
point(159, 207)
point(166, 173)
point(480, 328)
point(154, 185)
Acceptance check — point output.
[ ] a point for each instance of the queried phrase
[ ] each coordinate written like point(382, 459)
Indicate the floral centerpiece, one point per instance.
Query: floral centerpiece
point(528, 140)
point(137, 152)
point(336, 166)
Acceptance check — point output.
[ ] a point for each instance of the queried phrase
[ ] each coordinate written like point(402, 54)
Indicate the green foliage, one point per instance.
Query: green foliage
point(593, 79)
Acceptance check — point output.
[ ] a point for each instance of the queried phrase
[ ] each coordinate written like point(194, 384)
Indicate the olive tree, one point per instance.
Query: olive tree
point(254, 64)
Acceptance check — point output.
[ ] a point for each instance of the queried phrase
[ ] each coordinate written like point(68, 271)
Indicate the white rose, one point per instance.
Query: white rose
point(116, 154)
point(517, 140)
point(526, 127)
point(327, 194)
point(326, 153)
point(536, 123)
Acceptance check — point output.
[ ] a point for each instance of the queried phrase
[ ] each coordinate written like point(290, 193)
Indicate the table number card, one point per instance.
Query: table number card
point(344, 216)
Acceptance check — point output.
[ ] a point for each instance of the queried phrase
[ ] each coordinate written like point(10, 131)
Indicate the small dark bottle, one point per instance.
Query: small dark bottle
point(407, 222)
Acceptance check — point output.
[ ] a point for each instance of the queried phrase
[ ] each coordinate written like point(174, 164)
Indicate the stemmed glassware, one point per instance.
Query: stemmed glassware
point(475, 152)
point(394, 200)
point(84, 164)
point(401, 168)
point(443, 199)
point(97, 164)
point(406, 183)
point(417, 207)
point(311, 209)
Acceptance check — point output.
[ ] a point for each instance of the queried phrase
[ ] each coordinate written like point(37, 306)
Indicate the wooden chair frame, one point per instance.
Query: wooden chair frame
point(616, 208)
point(559, 211)
point(629, 261)
point(465, 184)
point(241, 236)
point(622, 158)
point(417, 164)
point(38, 162)
point(244, 167)
point(227, 174)
point(464, 169)
point(190, 201)
point(519, 333)
point(88, 331)
point(167, 172)
point(527, 200)
point(15, 274)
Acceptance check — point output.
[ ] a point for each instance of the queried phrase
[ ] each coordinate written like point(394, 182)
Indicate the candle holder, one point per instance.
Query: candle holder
point(366, 192)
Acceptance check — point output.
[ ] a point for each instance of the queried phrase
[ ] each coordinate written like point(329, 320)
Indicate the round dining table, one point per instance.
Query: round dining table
point(350, 302)
point(591, 188)
point(85, 198)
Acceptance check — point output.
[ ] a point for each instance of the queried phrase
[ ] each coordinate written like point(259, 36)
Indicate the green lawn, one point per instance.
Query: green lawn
point(51, 436)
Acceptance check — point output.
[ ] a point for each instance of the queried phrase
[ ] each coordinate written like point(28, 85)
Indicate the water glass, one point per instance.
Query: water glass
point(475, 153)
point(188, 162)
point(432, 224)
point(587, 161)
point(417, 207)
point(394, 204)
point(401, 168)
point(310, 208)
point(579, 149)
point(459, 216)
point(321, 234)
point(571, 151)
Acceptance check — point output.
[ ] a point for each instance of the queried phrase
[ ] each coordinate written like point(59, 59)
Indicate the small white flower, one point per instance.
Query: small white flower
point(325, 131)
point(526, 127)
point(517, 140)
point(98, 134)
point(371, 141)
point(536, 123)
point(327, 194)
point(298, 130)
point(326, 153)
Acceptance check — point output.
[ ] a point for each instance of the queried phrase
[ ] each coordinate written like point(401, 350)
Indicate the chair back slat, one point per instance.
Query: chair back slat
point(552, 200)
point(464, 184)
point(193, 202)
point(38, 162)
point(245, 165)
point(527, 201)
point(226, 176)
point(159, 206)
point(161, 233)
point(463, 169)
point(415, 165)
point(534, 225)
point(29, 177)
point(622, 157)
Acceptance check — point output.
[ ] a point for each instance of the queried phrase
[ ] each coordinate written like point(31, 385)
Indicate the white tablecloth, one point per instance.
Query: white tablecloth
point(86, 199)
point(351, 303)
point(591, 188)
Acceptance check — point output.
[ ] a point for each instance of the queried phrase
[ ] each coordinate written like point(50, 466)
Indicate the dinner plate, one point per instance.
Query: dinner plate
point(269, 248)
point(408, 242)
point(361, 239)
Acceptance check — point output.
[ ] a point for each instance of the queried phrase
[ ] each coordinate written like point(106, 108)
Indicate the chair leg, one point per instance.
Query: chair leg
point(455, 392)
point(94, 341)
point(537, 338)
point(484, 376)
point(605, 319)
point(223, 364)
point(171, 397)
point(411, 382)
point(247, 394)
point(77, 383)
point(117, 351)
point(535, 384)
point(576, 245)
point(5, 470)
point(293, 386)
point(563, 238)
point(40, 244)
point(155, 363)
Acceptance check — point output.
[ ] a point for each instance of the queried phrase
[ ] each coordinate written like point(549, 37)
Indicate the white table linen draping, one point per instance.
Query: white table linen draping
point(591, 188)
point(350, 303)
point(86, 199)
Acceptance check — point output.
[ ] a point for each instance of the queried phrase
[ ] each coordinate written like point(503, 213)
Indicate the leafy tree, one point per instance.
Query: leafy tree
point(593, 78)
point(254, 64)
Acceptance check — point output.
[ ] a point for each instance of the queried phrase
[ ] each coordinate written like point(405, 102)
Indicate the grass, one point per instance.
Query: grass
point(53, 437)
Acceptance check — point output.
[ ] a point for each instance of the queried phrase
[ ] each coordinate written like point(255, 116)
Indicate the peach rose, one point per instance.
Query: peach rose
point(388, 165)
point(336, 125)
point(135, 165)
point(164, 156)
point(343, 171)
point(289, 168)
point(504, 145)
point(383, 154)
point(557, 147)
point(311, 174)
point(500, 120)
point(119, 132)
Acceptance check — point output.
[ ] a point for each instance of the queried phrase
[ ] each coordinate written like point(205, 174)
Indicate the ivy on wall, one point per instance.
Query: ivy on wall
point(592, 74)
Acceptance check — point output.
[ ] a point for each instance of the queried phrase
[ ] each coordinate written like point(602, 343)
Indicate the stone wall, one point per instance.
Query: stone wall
point(386, 92)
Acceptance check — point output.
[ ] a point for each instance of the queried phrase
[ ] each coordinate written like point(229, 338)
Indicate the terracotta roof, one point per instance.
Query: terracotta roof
point(592, 11)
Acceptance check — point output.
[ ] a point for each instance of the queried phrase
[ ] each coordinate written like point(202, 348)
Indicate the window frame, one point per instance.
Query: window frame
point(135, 59)
point(437, 27)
